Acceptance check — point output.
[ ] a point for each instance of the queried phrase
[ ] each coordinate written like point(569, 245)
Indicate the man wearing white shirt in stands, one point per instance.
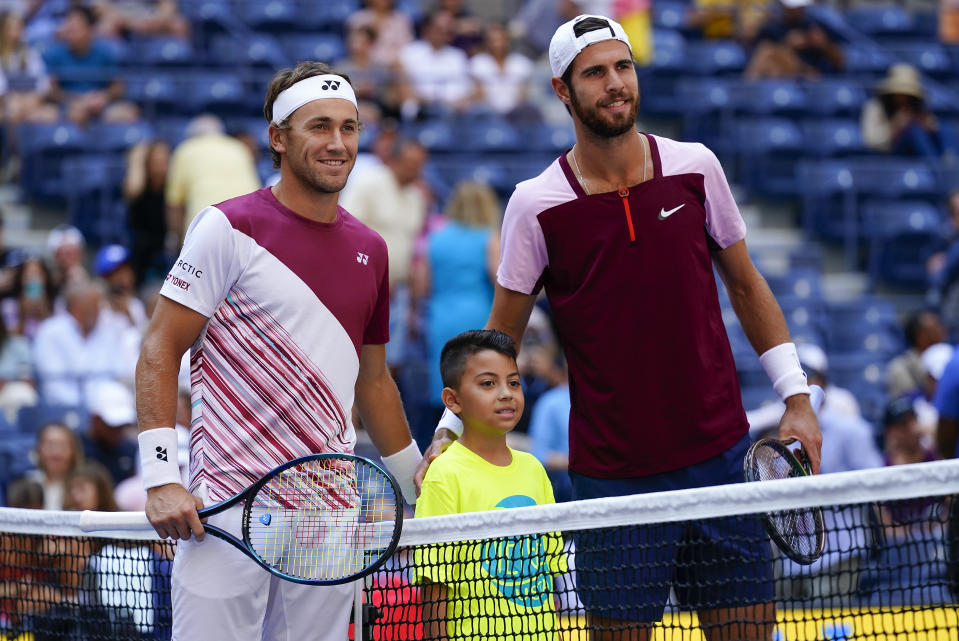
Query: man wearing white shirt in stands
point(77, 348)
point(438, 72)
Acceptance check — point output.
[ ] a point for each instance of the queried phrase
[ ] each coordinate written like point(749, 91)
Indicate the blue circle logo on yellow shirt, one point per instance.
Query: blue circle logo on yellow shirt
point(517, 565)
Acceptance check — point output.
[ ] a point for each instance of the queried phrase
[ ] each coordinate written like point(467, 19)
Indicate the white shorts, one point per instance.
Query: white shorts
point(221, 594)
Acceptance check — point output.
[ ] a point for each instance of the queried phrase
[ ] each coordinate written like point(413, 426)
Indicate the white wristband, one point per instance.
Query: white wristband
point(452, 422)
point(402, 465)
point(782, 366)
point(158, 457)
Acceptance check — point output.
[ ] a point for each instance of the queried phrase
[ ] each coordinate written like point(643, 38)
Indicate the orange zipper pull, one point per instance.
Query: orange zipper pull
point(624, 194)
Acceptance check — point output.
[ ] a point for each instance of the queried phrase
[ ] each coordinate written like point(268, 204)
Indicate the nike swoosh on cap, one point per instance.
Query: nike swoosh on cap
point(663, 214)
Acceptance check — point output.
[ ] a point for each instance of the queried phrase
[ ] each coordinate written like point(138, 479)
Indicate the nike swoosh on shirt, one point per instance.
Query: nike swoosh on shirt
point(663, 214)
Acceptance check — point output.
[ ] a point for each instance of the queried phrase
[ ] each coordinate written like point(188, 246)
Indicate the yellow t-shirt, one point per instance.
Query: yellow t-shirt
point(501, 587)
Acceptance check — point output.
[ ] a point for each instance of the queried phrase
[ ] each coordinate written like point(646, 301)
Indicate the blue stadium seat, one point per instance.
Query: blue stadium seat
point(903, 235)
point(896, 178)
point(883, 20)
point(330, 15)
point(163, 51)
point(93, 189)
point(658, 79)
point(710, 57)
point(669, 14)
point(30, 418)
point(833, 96)
point(271, 15)
point(866, 327)
point(216, 92)
point(490, 136)
point(436, 135)
point(327, 47)
point(156, 93)
point(260, 50)
point(43, 148)
point(803, 285)
point(833, 137)
point(669, 50)
point(550, 138)
point(118, 136)
point(929, 57)
point(704, 95)
point(942, 99)
point(172, 128)
point(865, 59)
point(772, 144)
point(771, 97)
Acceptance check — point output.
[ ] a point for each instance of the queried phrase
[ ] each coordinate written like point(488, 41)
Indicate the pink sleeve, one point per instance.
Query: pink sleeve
point(523, 249)
point(723, 221)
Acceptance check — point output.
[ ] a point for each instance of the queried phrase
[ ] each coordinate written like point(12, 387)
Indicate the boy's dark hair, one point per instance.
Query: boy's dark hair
point(462, 346)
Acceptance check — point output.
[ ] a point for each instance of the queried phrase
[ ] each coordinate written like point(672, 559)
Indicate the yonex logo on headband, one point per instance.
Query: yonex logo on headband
point(309, 89)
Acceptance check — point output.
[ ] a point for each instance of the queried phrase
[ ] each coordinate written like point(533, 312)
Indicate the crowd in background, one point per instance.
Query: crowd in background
point(73, 315)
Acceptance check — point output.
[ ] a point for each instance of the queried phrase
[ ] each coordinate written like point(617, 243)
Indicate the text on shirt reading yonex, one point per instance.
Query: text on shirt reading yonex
point(177, 282)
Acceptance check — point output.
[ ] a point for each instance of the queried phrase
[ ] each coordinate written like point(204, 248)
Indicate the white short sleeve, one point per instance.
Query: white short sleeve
point(208, 265)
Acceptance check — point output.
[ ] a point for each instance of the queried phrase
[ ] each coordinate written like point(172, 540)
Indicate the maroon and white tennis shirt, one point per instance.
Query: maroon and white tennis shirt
point(630, 281)
point(291, 302)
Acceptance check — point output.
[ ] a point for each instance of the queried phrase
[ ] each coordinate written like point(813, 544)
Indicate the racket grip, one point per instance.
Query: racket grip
point(95, 521)
point(816, 396)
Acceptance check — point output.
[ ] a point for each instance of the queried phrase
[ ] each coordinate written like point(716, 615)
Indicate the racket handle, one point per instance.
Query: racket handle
point(95, 521)
point(816, 396)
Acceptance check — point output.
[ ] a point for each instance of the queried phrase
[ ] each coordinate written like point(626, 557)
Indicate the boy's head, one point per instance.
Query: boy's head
point(481, 380)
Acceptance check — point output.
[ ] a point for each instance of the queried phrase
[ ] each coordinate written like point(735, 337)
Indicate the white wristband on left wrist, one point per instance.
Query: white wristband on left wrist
point(781, 364)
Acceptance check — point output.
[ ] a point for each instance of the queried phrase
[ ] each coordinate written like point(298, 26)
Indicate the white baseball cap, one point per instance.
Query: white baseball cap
point(566, 45)
point(113, 402)
point(935, 358)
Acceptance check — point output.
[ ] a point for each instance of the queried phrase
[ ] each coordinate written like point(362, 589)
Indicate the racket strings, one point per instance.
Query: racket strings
point(323, 519)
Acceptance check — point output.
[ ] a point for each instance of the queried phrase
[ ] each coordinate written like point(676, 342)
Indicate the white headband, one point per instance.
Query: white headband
point(308, 90)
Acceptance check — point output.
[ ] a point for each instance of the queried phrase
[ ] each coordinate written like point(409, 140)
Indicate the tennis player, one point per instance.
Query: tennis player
point(502, 589)
point(283, 298)
point(622, 232)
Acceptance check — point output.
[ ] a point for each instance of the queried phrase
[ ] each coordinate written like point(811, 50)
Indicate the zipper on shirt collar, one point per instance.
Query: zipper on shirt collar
point(624, 194)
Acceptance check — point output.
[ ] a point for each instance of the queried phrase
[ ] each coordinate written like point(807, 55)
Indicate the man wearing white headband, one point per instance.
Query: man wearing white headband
point(282, 297)
point(622, 231)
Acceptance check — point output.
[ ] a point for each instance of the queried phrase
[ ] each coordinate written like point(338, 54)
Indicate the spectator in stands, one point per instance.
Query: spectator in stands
point(393, 29)
point(157, 18)
point(467, 27)
point(67, 247)
point(549, 432)
point(83, 72)
point(75, 349)
point(24, 74)
point(502, 76)
point(933, 360)
point(380, 91)
point(836, 399)
point(791, 44)
point(454, 280)
point(393, 202)
point(902, 437)
point(16, 374)
point(720, 19)
point(438, 72)
point(25, 494)
point(144, 187)
point(206, 168)
point(534, 25)
point(32, 299)
point(905, 373)
point(90, 487)
point(112, 264)
point(898, 121)
point(108, 437)
point(58, 453)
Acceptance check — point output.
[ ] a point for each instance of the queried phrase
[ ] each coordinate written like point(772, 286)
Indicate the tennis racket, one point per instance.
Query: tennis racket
point(799, 533)
point(321, 519)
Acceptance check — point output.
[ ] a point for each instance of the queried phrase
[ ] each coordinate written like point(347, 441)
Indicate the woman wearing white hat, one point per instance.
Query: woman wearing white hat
point(898, 121)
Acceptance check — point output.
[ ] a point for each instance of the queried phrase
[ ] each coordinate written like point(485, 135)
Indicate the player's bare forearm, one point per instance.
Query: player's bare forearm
point(752, 300)
point(378, 402)
point(510, 313)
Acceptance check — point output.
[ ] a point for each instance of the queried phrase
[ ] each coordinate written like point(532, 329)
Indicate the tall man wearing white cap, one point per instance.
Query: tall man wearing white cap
point(283, 297)
point(622, 232)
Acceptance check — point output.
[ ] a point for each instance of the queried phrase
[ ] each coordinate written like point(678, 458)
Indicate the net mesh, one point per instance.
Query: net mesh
point(695, 564)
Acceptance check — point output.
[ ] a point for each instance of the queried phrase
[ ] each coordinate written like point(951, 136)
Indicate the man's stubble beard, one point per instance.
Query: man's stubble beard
point(599, 126)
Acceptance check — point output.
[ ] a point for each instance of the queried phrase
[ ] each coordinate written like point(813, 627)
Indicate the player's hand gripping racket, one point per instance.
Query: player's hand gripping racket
point(320, 519)
point(800, 533)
